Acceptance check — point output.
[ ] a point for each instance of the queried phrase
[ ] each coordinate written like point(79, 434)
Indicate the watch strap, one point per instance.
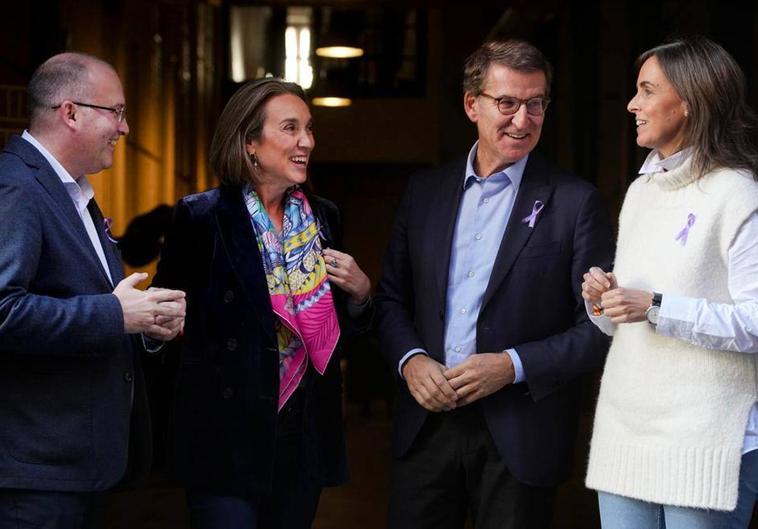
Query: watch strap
point(657, 299)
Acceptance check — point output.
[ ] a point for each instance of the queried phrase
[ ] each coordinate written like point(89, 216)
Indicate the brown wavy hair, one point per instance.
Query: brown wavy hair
point(241, 122)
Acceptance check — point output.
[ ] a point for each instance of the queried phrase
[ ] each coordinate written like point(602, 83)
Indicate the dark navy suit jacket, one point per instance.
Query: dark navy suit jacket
point(224, 417)
point(71, 389)
point(532, 303)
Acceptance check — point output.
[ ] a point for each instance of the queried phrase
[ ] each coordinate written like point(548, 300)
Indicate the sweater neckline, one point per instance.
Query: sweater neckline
point(676, 178)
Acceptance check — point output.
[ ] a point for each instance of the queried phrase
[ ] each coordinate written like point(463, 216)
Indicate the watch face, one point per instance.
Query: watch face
point(652, 314)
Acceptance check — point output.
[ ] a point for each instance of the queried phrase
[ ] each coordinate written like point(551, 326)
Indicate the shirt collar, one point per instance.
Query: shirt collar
point(83, 185)
point(655, 164)
point(514, 172)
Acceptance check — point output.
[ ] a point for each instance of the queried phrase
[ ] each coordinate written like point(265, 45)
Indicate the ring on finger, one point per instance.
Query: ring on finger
point(334, 263)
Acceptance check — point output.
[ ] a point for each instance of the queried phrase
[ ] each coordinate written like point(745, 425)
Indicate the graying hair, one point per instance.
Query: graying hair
point(61, 77)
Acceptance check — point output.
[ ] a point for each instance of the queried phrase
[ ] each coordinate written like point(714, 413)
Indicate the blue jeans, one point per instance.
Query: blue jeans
point(620, 512)
point(208, 511)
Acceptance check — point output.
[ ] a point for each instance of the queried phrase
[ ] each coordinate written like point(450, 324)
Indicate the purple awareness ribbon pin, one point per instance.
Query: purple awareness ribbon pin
point(532, 217)
point(682, 235)
point(107, 223)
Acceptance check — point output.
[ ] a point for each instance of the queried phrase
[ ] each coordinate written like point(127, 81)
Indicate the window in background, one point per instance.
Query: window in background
point(297, 46)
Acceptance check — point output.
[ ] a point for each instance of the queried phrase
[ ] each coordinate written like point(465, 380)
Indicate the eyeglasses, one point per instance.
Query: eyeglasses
point(118, 111)
point(509, 105)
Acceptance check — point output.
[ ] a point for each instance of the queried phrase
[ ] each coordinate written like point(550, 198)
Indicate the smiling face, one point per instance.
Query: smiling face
point(504, 140)
point(660, 113)
point(99, 130)
point(285, 144)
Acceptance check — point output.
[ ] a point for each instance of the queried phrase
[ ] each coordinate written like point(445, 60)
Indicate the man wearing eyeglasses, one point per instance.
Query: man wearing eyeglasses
point(73, 418)
point(480, 311)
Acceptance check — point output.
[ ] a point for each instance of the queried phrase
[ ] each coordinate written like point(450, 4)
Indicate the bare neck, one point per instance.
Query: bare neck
point(272, 198)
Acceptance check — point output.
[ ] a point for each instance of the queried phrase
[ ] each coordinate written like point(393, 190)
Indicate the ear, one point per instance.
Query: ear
point(251, 146)
point(67, 113)
point(471, 106)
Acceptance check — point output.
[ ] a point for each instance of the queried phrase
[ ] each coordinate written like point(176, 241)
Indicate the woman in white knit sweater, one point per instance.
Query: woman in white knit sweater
point(675, 440)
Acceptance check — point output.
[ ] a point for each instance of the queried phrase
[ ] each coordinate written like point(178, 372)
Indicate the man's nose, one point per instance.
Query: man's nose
point(521, 117)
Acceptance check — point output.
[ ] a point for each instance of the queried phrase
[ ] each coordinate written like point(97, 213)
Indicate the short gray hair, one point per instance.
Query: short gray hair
point(61, 77)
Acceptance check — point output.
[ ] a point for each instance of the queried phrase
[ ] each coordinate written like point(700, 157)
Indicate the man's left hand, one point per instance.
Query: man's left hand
point(166, 328)
point(480, 375)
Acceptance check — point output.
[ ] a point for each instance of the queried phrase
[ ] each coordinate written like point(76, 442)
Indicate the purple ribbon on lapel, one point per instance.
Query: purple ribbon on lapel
point(107, 223)
point(532, 217)
point(682, 235)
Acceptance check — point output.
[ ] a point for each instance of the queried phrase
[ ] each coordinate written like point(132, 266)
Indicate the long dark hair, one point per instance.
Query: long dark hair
point(720, 124)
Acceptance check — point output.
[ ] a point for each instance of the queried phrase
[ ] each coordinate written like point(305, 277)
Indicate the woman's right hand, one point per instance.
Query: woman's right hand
point(595, 283)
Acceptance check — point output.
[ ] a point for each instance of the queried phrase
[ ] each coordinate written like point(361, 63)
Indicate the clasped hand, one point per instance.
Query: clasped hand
point(621, 305)
point(437, 388)
point(156, 312)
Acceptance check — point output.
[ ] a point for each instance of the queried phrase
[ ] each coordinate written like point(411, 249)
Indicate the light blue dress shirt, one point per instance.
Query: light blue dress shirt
point(485, 209)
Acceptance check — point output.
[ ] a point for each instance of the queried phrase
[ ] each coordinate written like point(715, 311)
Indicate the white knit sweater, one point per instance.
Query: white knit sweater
point(671, 416)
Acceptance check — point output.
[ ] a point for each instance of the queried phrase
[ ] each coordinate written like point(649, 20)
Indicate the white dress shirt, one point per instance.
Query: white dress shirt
point(724, 326)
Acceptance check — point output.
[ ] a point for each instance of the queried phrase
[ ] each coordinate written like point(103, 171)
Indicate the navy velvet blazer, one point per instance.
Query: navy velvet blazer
point(225, 404)
point(532, 303)
point(71, 386)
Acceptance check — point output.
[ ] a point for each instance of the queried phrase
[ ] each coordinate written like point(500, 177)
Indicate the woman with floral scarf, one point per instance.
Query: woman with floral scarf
point(256, 423)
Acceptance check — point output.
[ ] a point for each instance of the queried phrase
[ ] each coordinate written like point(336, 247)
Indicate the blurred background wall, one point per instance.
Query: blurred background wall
point(181, 59)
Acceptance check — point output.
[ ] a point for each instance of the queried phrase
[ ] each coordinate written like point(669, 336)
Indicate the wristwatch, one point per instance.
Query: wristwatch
point(655, 306)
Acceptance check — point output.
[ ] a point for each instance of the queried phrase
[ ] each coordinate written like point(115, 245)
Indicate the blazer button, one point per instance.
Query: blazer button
point(228, 393)
point(228, 296)
point(128, 377)
point(231, 344)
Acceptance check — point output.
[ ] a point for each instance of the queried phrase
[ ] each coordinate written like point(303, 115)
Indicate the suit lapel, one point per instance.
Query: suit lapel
point(241, 247)
point(447, 203)
point(64, 206)
point(534, 186)
point(109, 248)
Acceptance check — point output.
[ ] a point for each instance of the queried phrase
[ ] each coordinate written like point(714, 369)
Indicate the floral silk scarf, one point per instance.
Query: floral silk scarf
point(301, 297)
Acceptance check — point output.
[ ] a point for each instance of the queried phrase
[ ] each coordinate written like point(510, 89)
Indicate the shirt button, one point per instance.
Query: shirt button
point(463, 311)
point(128, 377)
point(470, 274)
point(228, 393)
point(458, 349)
point(486, 200)
point(228, 296)
point(231, 344)
point(478, 236)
